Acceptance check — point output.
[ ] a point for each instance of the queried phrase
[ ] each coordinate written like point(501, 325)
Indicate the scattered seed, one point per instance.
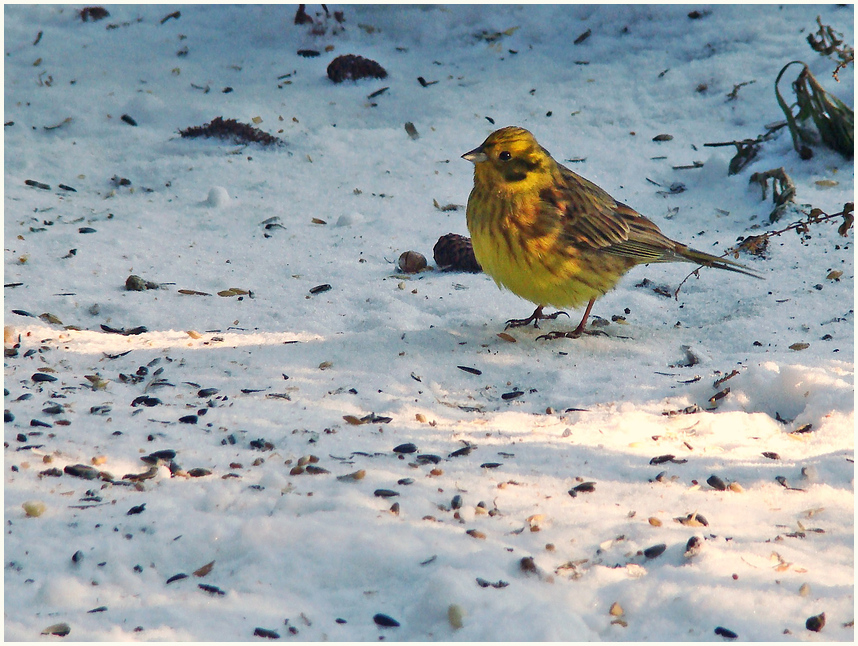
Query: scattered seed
point(60, 630)
point(411, 130)
point(264, 632)
point(43, 377)
point(150, 473)
point(81, 471)
point(353, 477)
point(655, 551)
point(661, 459)
point(725, 632)
point(427, 458)
point(384, 493)
point(204, 570)
point(716, 483)
point(34, 508)
point(465, 450)
point(137, 509)
point(475, 533)
point(804, 590)
point(177, 577)
point(771, 455)
point(157, 457)
point(490, 465)
point(616, 610)
point(145, 400)
point(455, 615)
point(655, 522)
point(385, 621)
point(95, 610)
point(581, 38)
point(199, 472)
point(211, 589)
point(662, 137)
point(313, 470)
point(693, 547)
point(405, 448)
point(412, 262)
point(456, 503)
point(692, 520)
point(815, 623)
point(512, 395)
point(584, 487)
point(528, 565)
point(318, 289)
point(473, 371)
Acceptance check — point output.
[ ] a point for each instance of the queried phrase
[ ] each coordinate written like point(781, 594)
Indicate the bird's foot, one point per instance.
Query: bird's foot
point(534, 318)
point(573, 334)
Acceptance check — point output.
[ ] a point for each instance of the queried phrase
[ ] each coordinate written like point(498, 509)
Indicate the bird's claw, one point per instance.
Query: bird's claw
point(573, 334)
point(534, 318)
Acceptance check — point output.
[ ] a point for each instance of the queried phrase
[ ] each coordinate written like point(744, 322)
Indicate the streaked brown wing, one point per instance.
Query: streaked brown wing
point(592, 218)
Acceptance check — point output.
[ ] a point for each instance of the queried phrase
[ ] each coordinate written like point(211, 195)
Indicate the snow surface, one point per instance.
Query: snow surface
point(301, 551)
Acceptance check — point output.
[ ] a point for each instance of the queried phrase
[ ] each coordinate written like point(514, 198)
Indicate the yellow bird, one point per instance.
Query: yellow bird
point(553, 237)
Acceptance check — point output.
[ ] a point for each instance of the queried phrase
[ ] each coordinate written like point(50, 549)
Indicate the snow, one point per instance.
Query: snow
point(301, 551)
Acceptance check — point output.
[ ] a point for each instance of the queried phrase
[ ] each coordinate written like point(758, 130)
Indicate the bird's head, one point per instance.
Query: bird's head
point(512, 159)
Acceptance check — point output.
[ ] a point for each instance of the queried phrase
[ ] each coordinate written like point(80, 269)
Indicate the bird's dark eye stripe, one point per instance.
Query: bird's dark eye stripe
point(504, 155)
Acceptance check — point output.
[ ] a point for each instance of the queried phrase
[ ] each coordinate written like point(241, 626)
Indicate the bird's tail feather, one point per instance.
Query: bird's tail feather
point(707, 260)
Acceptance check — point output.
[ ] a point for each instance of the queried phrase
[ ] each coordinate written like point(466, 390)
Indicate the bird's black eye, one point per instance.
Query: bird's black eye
point(504, 155)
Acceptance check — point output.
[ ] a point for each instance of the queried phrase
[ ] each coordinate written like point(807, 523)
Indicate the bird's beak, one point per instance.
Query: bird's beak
point(476, 155)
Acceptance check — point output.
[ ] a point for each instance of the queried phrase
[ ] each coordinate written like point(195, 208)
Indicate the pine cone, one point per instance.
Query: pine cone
point(455, 252)
point(354, 67)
